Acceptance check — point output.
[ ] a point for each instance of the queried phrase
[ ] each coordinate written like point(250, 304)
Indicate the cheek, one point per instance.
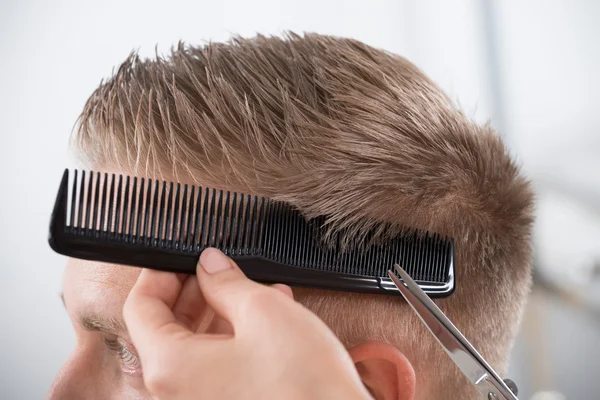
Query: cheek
point(84, 374)
point(92, 357)
point(92, 372)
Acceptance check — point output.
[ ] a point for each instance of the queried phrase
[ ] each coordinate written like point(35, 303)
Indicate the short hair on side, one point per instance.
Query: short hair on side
point(337, 128)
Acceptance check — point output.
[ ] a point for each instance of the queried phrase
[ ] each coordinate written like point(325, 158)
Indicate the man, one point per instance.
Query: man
point(335, 128)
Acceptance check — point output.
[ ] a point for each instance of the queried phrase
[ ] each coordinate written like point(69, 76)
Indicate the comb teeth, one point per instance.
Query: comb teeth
point(187, 219)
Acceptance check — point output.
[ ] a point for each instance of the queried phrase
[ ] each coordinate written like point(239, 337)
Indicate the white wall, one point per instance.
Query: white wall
point(55, 53)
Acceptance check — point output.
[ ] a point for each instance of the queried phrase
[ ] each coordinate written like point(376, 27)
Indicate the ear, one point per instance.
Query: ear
point(384, 370)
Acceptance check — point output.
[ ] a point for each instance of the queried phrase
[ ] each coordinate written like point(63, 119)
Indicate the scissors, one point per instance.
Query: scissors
point(464, 355)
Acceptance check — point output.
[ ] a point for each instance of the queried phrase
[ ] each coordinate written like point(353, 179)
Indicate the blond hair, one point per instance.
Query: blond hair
point(336, 128)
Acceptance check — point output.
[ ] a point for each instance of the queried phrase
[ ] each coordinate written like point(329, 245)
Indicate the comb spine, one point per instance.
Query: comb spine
point(139, 212)
point(180, 241)
point(287, 234)
point(298, 224)
point(314, 255)
point(439, 255)
point(205, 217)
point(376, 260)
point(94, 227)
point(161, 233)
point(277, 231)
point(211, 218)
point(290, 243)
point(304, 245)
point(252, 240)
point(118, 207)
point(447, 254)
point(319, 244)
point(382, 260)
point(329, 246)
point(218, 227)
point(226, 222)
point(175, 217)
point(103, 206)
point(194, 228)
point(370, 258)
point(169, 217)
point(89, 204)
point(80, 228)
point(190, 222)
point(345, 255)
point(403, 257)
point(147, 209)
point(442, 253)
point(124, 222)
point(450, 245)
point(410, 258)
point(398, 252)
point(434, 252)
point(73, 203)
point(424, 255)
point(239, 223)
point(195, 244)
point(310, 235)
point(246, 225)
point(421, 259)
point(321, 248)
point(268, 228)
point(386, 259)
point(154, 235)
point(434, 268)
point(132, 202)
point(435, 260)
point(259, 236)
point(420, 265)
point(427, 261)
point(332, 251)
point(358, 257)
point(111, 198)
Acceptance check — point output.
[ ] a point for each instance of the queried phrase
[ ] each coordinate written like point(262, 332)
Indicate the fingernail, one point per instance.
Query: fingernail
point(213, 261)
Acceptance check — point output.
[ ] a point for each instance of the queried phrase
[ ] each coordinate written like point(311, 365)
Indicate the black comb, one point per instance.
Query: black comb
point(165, 226)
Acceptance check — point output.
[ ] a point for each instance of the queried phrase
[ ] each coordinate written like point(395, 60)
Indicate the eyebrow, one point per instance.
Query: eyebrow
point(94, 322)
point(91, 321)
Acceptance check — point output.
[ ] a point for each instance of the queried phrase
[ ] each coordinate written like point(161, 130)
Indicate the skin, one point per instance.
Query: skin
point(143, 362)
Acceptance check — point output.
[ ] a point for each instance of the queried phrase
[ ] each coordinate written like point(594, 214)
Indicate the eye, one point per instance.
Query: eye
point(129, 360)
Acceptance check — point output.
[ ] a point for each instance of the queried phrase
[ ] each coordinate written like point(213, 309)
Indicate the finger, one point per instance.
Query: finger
point(212, 323)
point(285, 289)
point(147, 310)
point(225, 287)
point(190, 308)
point(219, 325)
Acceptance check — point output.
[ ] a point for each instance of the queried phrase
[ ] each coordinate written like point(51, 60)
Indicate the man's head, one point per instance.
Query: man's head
point(336, 128)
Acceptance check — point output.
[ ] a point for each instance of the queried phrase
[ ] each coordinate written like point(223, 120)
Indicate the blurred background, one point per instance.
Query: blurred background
point(531, 67)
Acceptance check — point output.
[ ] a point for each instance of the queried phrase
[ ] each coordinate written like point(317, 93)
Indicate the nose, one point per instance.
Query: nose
point(76, 379)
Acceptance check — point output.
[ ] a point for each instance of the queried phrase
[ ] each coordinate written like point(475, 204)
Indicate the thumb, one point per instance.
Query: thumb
point(285, 289)
point(148, 309)
point(228, 291)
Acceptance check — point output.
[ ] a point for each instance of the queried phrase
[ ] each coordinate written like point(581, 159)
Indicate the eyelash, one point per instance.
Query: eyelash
point(128, 359)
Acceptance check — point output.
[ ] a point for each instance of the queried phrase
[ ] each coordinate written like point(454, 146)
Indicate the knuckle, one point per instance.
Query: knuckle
point(221, 282)
point(158, 383)
point(219, 289)
point(128, 308)
point(225, 284)
point(262, 300)
point(158, 379)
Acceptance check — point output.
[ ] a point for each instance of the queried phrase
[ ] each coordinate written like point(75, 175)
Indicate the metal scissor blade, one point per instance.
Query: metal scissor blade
point(464, 355)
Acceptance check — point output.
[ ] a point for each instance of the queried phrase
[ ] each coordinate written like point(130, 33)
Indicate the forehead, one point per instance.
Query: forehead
point(98, 285)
